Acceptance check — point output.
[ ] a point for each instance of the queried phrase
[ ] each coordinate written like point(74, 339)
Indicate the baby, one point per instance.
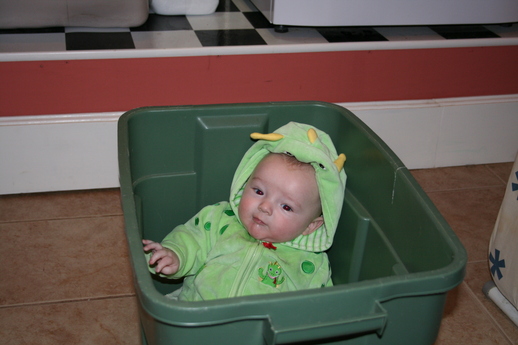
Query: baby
point(286, 199)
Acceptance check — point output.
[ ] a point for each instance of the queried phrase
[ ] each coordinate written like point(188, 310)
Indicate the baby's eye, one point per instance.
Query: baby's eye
point(286, 208)
point(258, 191)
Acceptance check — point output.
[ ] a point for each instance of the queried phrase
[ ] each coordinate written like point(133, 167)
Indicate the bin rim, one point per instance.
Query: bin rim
point(245, 307)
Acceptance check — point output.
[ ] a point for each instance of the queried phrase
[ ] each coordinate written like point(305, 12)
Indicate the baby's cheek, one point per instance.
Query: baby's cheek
point(244, 206)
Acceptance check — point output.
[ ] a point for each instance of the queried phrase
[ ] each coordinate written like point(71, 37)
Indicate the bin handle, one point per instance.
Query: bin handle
point(373, 322)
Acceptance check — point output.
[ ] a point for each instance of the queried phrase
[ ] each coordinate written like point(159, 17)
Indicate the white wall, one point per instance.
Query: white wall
point(79, 151)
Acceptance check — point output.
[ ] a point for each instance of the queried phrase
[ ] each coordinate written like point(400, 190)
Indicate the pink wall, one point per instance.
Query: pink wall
point(82, 86)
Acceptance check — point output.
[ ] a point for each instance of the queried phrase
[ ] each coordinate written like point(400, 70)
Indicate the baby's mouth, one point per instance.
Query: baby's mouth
point(258, 221)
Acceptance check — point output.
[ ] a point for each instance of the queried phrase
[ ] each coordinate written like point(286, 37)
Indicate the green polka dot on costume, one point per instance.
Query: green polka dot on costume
point(197, 221)
point(229, 213)
point(207, 226)
point(308, 267)
point(222, 230)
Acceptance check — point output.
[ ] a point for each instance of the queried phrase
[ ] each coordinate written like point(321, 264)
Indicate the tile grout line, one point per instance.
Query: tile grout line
point(65, 301)
point(495, 174)
point(488, 314)
point(63, 218)
point(478, 261)
point(463, 189)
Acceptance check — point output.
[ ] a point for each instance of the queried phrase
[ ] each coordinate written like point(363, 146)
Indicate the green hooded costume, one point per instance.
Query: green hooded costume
point(219, 258)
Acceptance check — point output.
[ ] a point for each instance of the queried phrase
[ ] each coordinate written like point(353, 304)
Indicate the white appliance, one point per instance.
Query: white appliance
point(387, 12)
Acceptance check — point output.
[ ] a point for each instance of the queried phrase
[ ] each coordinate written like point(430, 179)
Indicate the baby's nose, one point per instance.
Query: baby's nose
point(265, 207)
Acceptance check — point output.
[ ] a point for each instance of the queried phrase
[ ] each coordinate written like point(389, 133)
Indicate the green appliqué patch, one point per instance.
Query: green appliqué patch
point(272, 275)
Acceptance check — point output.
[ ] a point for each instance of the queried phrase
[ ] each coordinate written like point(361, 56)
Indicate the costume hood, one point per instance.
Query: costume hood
point(309, 145)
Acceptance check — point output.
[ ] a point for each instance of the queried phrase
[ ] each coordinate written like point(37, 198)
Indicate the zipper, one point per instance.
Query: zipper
point(249, 263)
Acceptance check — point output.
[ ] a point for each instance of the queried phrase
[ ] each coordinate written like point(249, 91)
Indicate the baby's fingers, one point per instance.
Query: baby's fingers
point(157, 256)
point(168, 270)
point(150, 245)
point(163, 265)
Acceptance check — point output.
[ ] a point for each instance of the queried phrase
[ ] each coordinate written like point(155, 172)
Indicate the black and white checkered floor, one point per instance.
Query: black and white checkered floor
point(235, 23)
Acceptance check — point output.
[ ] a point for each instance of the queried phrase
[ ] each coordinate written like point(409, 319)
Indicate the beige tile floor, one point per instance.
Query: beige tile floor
point(65, 275)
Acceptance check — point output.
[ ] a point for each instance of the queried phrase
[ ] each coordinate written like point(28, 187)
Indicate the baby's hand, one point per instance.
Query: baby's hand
point(167, 262)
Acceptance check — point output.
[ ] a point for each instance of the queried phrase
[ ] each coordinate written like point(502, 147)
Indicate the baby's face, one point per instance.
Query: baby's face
point(280, 201)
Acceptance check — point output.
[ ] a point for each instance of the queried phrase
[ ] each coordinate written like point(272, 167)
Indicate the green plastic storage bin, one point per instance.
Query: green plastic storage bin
point(394, 257)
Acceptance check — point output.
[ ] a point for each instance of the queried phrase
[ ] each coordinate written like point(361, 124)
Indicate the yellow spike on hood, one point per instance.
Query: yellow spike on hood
point(269, 137)
point(312, 135)
point(339, 162)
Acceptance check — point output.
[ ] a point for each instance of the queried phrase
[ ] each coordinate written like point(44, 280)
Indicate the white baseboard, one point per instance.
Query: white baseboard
point(446, 132)
point(58, 152)
point(79, 151)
